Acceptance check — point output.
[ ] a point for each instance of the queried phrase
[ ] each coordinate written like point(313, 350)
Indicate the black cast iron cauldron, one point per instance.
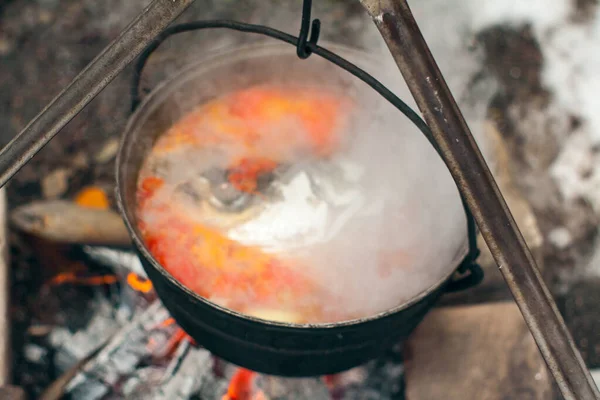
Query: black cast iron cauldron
point(260, 345)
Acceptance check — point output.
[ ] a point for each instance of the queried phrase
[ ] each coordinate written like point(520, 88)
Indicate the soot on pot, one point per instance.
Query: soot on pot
point(300, 204)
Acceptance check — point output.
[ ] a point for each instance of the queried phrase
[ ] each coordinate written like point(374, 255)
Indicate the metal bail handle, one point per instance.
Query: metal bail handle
point(474, 276)
point(304, 49)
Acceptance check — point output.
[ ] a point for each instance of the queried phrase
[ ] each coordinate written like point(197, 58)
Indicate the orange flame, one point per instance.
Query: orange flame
point(72, 278)
point(138, 283)
point(167, 322)
point(241, 387)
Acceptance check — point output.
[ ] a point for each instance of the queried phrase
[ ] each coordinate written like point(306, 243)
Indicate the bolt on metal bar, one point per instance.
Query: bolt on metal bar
point(99, 73)
point(399, 29)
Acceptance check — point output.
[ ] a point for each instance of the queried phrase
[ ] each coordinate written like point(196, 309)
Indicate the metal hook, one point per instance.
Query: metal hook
point(303, 48)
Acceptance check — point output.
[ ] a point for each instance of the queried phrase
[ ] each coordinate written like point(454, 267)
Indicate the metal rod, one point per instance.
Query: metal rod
point(99, 73)
point(5, 348)
point(398, 27)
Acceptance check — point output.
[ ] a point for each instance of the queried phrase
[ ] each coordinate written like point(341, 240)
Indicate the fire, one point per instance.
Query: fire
point(75, 276)
point(71, 277)
point(138, 283)
point(242, 387)
point(92, 197)
point(167, 322)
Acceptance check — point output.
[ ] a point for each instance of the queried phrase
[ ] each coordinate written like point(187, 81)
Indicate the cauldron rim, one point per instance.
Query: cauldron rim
point(207, 62)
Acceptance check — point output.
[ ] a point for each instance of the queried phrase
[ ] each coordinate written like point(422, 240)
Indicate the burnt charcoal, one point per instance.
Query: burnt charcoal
point(295, 389)
point(211, 389)
point(179, 357)
point(90, 389)
point(140, 385)
point(125, 352)
point(384, 381)
point(379, 379)
point(189, 371)
point(73, 346)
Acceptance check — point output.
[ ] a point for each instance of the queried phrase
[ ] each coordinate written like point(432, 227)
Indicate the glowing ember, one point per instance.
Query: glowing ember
point(72, 278)
point(168, 322)
point(77, 275)
point(242, 387)
point(138, 283)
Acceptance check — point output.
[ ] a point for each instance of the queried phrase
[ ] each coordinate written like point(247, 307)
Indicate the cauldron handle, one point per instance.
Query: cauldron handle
point(471, 275)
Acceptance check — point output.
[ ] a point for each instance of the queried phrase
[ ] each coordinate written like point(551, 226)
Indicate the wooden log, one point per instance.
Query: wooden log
point(482, 352)
point(66, 222)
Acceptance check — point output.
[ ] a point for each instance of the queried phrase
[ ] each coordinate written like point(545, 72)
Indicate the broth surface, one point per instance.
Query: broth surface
point(300, 204)
point(229, 190)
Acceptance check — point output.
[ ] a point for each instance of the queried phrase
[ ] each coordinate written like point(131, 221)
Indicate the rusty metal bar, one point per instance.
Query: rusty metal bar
point(99, 73)
point(5, 352)
point(398, 27)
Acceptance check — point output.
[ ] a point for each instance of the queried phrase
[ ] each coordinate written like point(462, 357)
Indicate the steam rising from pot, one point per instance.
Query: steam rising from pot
point(370, 225)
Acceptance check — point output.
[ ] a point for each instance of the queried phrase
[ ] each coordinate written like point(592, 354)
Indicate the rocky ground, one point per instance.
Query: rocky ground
point(44, 43)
